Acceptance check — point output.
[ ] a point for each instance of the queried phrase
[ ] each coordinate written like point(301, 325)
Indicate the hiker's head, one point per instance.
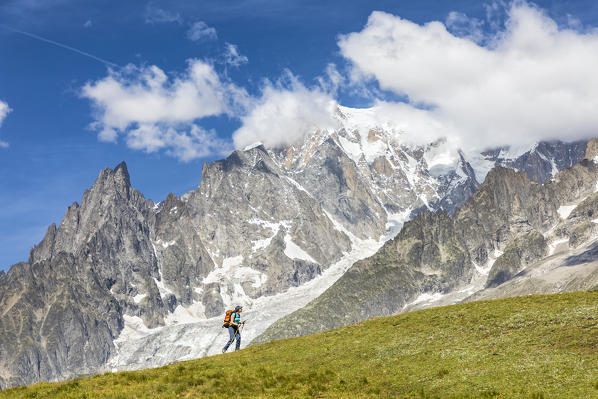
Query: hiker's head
point(239, 309)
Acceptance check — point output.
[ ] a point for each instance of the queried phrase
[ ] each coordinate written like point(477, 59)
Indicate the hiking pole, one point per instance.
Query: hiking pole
point(237, 331)
point(231, 340)
point(242, 327)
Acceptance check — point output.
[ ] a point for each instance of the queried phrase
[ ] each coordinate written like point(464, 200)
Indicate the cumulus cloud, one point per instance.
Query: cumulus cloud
point(154, 111)
point(533, 80)
point(190, 143)
point(233, 57)
point(201, 31)
point(285, 112)
point(4, 110)
point(156, 15)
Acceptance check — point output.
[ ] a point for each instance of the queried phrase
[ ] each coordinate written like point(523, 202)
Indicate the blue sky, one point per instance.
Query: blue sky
point(50, 150)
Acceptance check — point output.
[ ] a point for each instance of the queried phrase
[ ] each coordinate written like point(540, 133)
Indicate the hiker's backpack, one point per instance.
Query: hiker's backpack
point(227, 318)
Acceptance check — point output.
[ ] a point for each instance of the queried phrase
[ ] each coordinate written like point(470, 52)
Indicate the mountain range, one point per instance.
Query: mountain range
point(345, 225)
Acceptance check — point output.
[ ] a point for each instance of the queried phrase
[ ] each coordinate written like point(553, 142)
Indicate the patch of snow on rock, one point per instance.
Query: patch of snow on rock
point(134, 328)
point(165, 244)
point(553, 245)
point(299, 186)
point(565, 210)
point(294, 251)
point(258, 245)
point(252, 146)
point(351, 149)
point(164, 291)
point(183, 315)
point(275, 227)
point(138, 298)
point(484, 271)
point(394, 223)
point(480, 165)
point(233, 272)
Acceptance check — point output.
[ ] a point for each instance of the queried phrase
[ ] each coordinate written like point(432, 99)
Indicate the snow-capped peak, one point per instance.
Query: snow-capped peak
point(252, 146)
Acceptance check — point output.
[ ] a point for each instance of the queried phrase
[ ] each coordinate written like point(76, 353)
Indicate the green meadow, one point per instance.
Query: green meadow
point(539, 346)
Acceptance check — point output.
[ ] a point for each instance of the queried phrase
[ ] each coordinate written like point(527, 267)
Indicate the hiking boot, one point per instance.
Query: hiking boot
point(223, 350)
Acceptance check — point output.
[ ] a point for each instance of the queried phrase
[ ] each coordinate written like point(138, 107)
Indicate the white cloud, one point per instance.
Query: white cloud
point(201, 31)
point(233, 57)
point(156, 15)
point(285, 112)
point(156, 112)
point(188, 144)
point(533, 81)
point(332, 79)
point(88, 24)
point(4, 110)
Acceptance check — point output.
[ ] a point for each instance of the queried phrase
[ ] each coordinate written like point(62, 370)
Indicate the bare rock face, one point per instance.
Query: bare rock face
point(520, 252)
point(67, 302)
point(592, 150)
point(335, 181)
point(212, 300)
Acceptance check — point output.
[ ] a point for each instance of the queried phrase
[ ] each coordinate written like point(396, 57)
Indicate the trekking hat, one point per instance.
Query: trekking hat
point(238, 307)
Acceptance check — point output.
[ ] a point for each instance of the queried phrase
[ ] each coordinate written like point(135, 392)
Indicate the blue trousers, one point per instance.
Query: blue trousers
point(234, 334)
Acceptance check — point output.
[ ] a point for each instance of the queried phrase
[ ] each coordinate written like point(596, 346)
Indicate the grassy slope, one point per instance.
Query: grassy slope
point(543, 346)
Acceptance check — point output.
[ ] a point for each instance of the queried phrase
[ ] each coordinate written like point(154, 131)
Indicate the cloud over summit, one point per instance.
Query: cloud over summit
point(286, 111)
point(533, 81)
point(477, 83)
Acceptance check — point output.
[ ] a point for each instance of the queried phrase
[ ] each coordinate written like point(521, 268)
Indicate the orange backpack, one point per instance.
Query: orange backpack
point(227, 318)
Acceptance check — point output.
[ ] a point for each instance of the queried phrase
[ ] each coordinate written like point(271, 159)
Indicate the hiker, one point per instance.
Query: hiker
point(233, 321)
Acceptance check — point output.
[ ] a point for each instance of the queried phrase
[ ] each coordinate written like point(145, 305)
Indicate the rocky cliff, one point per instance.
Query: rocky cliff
point(61, 310)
